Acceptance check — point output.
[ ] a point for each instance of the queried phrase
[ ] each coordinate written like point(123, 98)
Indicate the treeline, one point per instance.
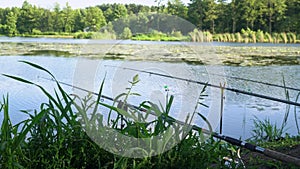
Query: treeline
point(215, 16)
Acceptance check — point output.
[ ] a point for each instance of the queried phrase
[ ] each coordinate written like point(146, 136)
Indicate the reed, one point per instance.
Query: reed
point(269, 37)
point(260, 36)
point(292, 38)
point(208, 36)
point(253, 37)
point(276, 37)
point(233, 37)
point(228, 37)
point(284, 37)
point(238, 37)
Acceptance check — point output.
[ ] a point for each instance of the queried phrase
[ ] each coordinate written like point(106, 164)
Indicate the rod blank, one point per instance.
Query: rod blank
point(214, 86)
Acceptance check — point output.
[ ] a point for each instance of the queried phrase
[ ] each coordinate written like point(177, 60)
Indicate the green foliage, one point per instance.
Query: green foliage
point(159, 36)
point(11, 27)
point(218, 17)
point(176, 7)
point(265, 131)
point(55, 135)
point(94, 19)
point(260, 36)
point(95, 35)
point(126, 33)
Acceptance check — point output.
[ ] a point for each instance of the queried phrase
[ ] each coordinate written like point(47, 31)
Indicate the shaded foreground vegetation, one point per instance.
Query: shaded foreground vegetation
point(56, 135)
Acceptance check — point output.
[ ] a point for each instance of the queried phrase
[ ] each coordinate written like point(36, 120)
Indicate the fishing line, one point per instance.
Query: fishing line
point(211, 85)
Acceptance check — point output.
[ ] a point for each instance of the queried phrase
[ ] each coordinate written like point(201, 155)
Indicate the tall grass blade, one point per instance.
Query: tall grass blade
point(38, 67)
point(18, 79)
point(286, 115)
point(206, 121)
point(22, 134)
point(6, 127)
point(295, 113)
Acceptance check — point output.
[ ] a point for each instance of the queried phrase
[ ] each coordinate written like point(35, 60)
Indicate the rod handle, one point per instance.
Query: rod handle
point(282, 157)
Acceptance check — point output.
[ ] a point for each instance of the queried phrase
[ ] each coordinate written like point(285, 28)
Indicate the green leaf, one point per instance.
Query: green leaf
point(20, 138)
point(18, 79)
point(207, 122)
point(135, 79)
point(135, 94)
point(120, 111)
point(38, 67)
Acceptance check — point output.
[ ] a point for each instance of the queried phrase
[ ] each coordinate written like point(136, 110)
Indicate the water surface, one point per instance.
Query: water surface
point(239, 110)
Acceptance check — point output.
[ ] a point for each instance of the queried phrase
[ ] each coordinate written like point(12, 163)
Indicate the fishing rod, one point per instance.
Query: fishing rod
point(212, 85)
point(243, 79)
point(255, 81)
point(238, 78)
point(267, 152)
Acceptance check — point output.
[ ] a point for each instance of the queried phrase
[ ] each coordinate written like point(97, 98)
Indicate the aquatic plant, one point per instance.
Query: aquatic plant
point(269, 37)
point(284, 37)
point(238, 37)
point(260, 36)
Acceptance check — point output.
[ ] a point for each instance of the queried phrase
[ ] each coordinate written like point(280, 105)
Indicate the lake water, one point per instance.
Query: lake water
point(239, 109)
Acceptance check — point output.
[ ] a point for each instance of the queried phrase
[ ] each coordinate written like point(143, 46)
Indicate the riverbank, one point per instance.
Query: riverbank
point(191, 53)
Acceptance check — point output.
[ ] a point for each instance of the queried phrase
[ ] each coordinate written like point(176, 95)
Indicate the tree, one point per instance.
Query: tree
point(292, 21)
point(78, 20)
point(276, 9)
point(211, 13)
point(196, 13)
point(94, 19)
point(126, 34)
point(223, 22)
point(139, 23)
point(109, 15)
point(120, 11)
point(27, 20)
point(11, 27)
point(67, 16)
point(46, 22)
point(232, 11)
point(176, 7)
point(57, 19)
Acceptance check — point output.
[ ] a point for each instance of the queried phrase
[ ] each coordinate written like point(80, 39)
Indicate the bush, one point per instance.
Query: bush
point(176, 34)
point(126, 34)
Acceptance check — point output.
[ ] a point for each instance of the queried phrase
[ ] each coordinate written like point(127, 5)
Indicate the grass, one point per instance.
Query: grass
point(61, 134)
point(265, 131)
point(57, 135)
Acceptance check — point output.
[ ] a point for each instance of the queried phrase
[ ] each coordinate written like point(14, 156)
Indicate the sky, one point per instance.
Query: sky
point(49, 4)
